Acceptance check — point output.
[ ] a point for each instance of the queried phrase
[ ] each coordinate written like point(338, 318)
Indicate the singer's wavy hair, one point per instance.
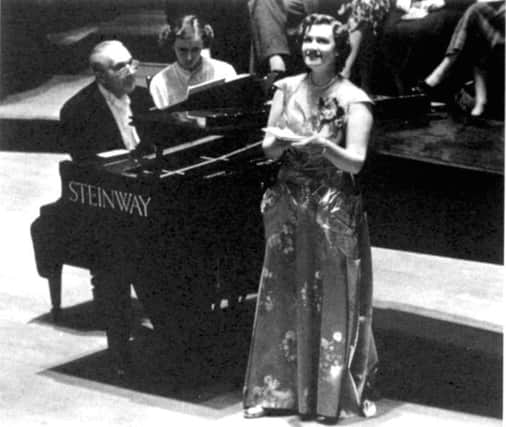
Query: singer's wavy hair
point(339, 30)
point(188, 26)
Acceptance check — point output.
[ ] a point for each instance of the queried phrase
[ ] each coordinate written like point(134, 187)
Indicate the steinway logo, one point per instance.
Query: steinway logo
point(96, 196)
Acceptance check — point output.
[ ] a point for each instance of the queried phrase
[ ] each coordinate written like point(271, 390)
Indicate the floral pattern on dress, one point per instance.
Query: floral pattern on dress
point(340, 220)
point(287, 240)
point(331, 358)
point(289, 346)
point(268, 200)
point(329, 119)
point(284, 240)
point(311, 293)
point(317, 291)
point(266, 300)
point(304, 297)
point(271, 395)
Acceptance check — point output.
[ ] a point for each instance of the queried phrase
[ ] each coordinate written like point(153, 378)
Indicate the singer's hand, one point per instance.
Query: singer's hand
point(314, 144)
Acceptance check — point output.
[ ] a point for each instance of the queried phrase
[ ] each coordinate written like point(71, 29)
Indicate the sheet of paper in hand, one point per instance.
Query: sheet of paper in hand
point(283, 133)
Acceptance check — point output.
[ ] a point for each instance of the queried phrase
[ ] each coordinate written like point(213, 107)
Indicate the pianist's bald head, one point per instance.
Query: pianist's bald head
point(105, 52)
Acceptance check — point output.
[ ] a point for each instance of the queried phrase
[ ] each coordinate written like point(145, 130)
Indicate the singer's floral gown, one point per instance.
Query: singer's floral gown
point(312, 346)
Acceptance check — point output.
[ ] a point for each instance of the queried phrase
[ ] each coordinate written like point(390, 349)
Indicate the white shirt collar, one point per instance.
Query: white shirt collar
point(121, 103)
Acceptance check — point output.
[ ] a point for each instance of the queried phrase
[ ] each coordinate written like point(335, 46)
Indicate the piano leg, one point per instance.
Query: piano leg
point(54, 281)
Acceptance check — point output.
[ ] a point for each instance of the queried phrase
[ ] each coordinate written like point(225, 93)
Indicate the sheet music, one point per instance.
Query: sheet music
point(204, 85)
point(215, 82)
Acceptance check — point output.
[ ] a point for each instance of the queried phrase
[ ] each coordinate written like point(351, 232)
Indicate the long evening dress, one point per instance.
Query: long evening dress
point(312, 345)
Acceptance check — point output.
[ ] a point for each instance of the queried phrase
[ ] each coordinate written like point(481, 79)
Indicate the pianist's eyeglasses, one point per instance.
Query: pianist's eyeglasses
point(121, 68)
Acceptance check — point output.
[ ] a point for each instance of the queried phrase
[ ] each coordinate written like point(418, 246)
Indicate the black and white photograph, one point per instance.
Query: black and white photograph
point(252, 213)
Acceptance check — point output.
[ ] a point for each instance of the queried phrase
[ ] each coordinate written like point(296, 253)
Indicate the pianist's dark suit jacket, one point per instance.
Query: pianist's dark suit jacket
point(88, 126)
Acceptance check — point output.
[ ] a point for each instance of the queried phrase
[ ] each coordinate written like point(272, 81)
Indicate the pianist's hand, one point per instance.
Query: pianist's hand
point(144, 149)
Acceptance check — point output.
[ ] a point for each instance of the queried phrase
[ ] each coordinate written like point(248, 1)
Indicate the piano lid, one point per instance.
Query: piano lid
point(238, 103)
point(246, 91)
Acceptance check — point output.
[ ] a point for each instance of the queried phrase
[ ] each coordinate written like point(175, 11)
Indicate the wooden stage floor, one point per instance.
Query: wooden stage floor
point(439, 339)
point(446, 139)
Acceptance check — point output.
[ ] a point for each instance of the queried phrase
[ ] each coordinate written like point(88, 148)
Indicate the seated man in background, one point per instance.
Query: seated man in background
point(191, 41)
point(98, 119)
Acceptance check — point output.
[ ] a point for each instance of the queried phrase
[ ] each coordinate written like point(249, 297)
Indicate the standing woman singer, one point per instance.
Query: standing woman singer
point(312, 349)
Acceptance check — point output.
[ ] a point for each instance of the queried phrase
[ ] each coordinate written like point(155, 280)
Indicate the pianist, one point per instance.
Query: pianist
point(97, 118)
point(190, 39)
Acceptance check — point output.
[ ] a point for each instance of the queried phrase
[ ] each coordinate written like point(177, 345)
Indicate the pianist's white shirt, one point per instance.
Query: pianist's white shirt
point(170, 85)
point(120, 108)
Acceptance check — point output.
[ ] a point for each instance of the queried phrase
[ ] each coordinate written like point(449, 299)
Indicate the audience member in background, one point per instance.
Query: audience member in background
point(415, 36)
point(477, 35)
point(97, 119)
point(312, 350)
point(191, 40)
point(272, 21)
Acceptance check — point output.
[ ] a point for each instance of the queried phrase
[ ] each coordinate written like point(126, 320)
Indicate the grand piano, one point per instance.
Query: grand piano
point(183, 219)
